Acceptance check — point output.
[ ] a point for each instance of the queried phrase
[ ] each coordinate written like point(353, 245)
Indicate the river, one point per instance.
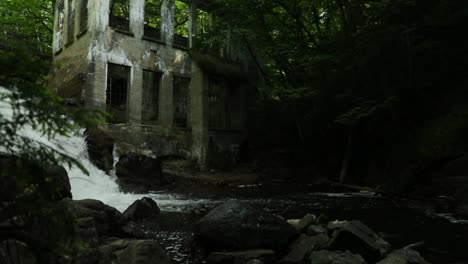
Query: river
point(401, 221)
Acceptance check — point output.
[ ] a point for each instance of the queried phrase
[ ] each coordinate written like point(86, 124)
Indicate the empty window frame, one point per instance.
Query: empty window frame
point(71, 22)
point(83, 16)
point(153, 19)
point(117, 93)
point(217, 103)
point(60, 23)
point(150, 100)
point(225, 104)
point(181, 25)
point(180, 100)
point(203, 23)
point(119, 15)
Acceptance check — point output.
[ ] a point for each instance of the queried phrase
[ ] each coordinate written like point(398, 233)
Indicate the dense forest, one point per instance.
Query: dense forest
point(365, 92)
point(357, 90)
point(371, 92)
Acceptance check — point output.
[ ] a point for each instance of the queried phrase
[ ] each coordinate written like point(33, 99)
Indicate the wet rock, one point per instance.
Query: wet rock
point(126, 251)
point(16, 252)
point(254, 261)
point(294, 223)
point(242, 257)
point(234, 225)
point(303, 246)
point(90, 256)
point(139, 173)
point(357, 238)
point(107, 219)
point(140, 209)
point(403, 256)
point(62, 182)
point(462, 211)
point(87, 231)
point(335, 257)
point(307, 220)
point(201, 210)
point(18, 174)
point(313, 230)
point(100, 148)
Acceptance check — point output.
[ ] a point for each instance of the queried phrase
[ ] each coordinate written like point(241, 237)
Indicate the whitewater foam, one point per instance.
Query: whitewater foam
point(97, 185)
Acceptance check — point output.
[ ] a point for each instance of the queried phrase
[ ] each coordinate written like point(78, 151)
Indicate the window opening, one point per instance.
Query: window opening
point(119, 14)
point(150, 102)
point(203, 23)
point(217, 103)
point(181, 25)
point(71, 22)
point(83, 16)
point(117, 93)
point(180, 97)
point(153, 19)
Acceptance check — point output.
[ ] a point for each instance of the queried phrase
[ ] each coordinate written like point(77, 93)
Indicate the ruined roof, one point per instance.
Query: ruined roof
point(218, 66)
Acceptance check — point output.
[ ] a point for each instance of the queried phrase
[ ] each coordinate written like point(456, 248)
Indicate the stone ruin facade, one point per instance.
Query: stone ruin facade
point(139, 61)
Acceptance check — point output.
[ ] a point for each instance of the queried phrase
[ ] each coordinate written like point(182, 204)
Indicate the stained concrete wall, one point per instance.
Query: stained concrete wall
point(100, 45)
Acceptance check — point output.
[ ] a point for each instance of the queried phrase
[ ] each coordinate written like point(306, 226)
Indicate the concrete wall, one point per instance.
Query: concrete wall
point(100, 45)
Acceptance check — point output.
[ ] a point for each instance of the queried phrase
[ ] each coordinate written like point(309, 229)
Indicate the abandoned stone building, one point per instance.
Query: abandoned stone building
point(139, 61)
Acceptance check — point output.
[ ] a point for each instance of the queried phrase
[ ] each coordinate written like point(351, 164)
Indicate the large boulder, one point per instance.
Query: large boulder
point(302, 248)
point(16, 252)
point(61, 180)
point(126, 251)
point(357, 238)
point(305, 222)
point(242, 257)
point(234, 225)
point(107, 220)
point(140, 209)
point(51, 181)
point(403, 256)
point(139, 173)
point(335, 257)
point(462, 211)
point(100, 148)
point(313, 230)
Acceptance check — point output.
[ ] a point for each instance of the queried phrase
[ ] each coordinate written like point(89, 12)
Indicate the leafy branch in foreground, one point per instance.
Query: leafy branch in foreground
point(27, 105)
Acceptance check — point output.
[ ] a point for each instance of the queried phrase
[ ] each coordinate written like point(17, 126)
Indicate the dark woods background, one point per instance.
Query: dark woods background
point(372, 92)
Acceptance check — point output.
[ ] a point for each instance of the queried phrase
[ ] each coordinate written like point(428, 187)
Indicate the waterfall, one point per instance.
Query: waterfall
point(97, 185)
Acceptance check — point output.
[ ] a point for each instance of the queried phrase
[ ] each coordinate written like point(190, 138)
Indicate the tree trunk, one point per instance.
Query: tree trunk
point(347, 156)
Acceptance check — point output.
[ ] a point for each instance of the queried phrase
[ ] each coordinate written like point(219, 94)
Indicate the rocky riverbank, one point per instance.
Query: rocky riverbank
point(243, 219)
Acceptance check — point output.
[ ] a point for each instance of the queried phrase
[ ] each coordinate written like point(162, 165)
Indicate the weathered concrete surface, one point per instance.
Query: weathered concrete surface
point(83, 67)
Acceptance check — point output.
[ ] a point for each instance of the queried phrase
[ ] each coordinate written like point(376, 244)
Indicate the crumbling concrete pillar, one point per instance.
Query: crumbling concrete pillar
point(166, 104)
point(167, 21)
point(137, 18)
point(135, 94)
point(199, 115)
point(97, 80)
point(192, 23)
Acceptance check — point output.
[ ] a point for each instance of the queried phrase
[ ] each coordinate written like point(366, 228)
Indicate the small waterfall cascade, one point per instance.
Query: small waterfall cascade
point(97, 185)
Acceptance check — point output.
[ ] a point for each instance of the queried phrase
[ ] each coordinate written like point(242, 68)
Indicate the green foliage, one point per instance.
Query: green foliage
point(386, 68)
point(38, 107)
point(181, 17)
point(26, 24)
point(120, 8)
point(153, 13)
point(28, 196)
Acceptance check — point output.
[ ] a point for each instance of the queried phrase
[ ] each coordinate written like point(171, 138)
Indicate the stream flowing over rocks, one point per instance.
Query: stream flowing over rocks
point(187, 220)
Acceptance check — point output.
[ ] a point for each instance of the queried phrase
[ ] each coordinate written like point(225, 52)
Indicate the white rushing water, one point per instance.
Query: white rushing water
point(97, 185)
